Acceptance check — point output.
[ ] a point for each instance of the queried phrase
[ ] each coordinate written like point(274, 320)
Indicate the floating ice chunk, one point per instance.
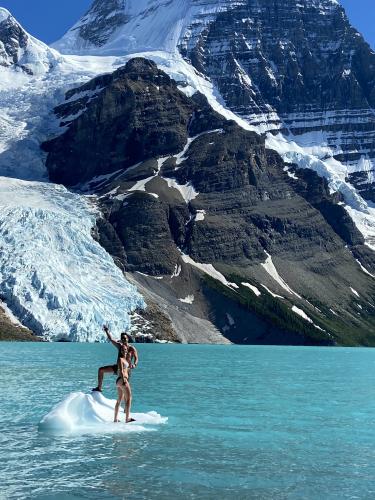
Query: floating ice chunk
point(253, 288)
point(93, 413)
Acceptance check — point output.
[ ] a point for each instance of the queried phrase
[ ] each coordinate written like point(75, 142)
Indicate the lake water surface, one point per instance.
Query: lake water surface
point(244, 422)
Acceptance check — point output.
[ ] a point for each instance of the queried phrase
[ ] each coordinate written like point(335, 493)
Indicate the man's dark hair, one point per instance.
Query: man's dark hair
point(123, 334)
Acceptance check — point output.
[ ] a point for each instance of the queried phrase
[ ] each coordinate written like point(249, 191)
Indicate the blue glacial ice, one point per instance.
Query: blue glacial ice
point(54, 276)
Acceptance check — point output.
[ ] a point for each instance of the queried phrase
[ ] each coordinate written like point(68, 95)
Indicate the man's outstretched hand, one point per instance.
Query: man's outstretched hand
point(105, 328)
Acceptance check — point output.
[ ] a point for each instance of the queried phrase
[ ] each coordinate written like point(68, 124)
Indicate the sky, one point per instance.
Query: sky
point(48, 20)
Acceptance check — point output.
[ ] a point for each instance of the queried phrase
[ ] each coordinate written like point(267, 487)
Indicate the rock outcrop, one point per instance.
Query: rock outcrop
point(10, 331)
point(20, 51)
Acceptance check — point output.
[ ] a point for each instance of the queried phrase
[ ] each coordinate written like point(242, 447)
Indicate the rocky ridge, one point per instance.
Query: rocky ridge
point(21, 51)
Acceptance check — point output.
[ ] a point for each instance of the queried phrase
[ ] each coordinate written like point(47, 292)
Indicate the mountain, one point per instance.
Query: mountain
point(183, 189)
point(217, 160)
point(21, 51)
point(297, 68)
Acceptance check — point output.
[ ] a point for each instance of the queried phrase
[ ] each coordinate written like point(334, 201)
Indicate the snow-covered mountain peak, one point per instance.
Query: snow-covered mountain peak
point(21, 51)
point(4, 14)
point(120, 27)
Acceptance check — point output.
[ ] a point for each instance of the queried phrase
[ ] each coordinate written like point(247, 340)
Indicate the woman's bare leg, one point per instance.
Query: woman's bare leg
point(128, 402)
point(120, 395)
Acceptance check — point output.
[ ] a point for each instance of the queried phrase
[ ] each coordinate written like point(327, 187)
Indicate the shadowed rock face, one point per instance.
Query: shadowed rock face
point(289, 65)
point(101, 20)
point(181, 179)
point(13, 38)
point(101, 141)
point(11, 332)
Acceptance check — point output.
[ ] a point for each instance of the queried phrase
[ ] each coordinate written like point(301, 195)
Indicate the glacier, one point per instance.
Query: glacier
point(55, 277)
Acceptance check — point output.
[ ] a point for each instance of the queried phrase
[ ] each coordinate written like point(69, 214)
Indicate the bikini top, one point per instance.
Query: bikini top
point(125, 363)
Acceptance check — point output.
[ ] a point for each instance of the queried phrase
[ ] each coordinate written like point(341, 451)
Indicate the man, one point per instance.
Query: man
point(132, 357)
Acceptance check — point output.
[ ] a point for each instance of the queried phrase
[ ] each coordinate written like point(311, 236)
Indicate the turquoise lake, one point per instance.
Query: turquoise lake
point(243, 422)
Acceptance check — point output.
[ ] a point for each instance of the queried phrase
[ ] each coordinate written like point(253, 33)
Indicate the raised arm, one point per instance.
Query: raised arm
point(114, 342)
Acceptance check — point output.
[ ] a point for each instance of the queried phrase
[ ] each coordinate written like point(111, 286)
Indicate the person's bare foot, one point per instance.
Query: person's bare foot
point(116, 421)
point(130, 420)
point(96, 389)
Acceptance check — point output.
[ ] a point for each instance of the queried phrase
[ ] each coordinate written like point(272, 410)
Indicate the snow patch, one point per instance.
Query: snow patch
point(303, 315)
point(187, 190)
point(177, 271)
point(272, 271)
point(355, 292)
point(208, 269)
point(272, 293)
point(187, 300)
point(364, 269)
point(199, 216)
point(253, 288)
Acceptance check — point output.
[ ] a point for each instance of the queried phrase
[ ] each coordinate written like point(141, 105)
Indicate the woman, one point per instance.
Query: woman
point(122, 383)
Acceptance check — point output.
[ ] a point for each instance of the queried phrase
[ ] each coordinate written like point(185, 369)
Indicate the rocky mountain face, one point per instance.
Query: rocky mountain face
point(11, 331)
point(114, 144)
point(211, 225)
point(102, 19)
point(298, 66)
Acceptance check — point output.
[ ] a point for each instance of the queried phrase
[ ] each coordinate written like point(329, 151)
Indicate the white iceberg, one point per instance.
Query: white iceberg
point(93, 413)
